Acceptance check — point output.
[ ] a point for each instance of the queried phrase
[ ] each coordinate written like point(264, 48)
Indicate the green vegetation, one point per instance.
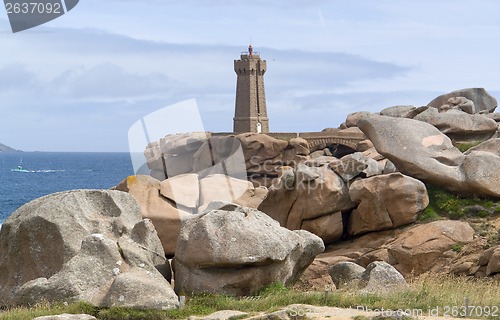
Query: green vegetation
point(488, 232)
point(464, 146)
point(444, 204)
point(493, 239)
point(429, 214)
point(457, 247)
point(429, 291)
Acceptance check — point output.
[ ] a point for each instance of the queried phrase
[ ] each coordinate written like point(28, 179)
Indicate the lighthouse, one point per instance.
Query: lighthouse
point(250, 111)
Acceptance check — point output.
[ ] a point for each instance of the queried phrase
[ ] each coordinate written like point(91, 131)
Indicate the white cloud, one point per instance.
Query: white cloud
point(108, 81)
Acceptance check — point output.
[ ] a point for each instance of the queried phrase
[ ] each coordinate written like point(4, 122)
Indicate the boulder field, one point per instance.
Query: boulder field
point(94, 246)
point(83, 245)
point(378, 188)
point(230, 214)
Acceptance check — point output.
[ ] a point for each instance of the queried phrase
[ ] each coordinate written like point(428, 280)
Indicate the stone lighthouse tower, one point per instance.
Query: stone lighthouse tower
point(250, 112)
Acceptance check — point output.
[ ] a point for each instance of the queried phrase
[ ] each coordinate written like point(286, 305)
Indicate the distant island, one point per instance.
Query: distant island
point(4, 148)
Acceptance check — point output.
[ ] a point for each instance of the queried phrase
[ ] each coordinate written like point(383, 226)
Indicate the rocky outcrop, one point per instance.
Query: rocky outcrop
point(354, 165)
point(169, 202)
point(214, 255)
point(460, 126)
point(419, 249)
point(165, 215)
point(413, 250)
point(195, 152)
point(83, 245)
point(472, 100)
point(292, 205)
point(385, 202)
point(421, 151)
point(251, 154)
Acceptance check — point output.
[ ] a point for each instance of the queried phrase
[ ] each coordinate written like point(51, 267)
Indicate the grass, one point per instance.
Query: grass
point(492, 239)
point(428, 292)
point(457, 247)
point(444, 204)
point(464, 146)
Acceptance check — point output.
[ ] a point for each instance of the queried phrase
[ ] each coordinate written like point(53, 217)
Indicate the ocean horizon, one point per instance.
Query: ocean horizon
point(51, 172)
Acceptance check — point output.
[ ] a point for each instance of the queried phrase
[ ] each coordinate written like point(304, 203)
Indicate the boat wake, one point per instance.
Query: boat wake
point(37, 171)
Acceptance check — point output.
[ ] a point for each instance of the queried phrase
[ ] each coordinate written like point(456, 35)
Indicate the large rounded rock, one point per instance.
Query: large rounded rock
point(419, 249)
point(74, 246)
point(181, 143)
point(382, 278)
point(400, 112)
point(346, 274)
point(385, 202)
point(492, 146)
point(482, 172)
point(421, 151)
point(417, 149)
point(238, 252)
point(481, 99)
point(460, 126)
point(353, 118)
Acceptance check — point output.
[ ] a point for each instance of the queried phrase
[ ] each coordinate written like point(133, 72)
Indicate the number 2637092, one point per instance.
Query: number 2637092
point(33, 8)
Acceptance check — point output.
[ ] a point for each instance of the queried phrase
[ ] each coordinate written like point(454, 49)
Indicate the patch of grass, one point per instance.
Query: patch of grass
point(429, 215)
point(489, 204)
point(425, 292)
point(443, 203)
point(464, 146)
point(457, 247)
point(275, 288)
point(46, 309)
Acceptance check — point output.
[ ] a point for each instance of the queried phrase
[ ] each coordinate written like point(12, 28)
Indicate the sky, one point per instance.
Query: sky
point(79, 82)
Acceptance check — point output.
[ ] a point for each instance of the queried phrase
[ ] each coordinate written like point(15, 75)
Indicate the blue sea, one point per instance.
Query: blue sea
point(51, 172)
